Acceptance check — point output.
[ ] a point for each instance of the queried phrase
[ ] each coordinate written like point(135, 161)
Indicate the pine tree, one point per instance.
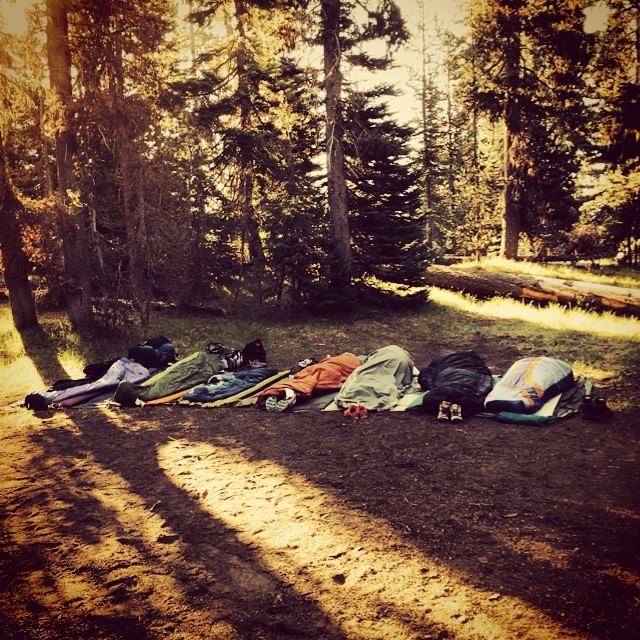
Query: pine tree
point(71, 221)
point(16, 267)
point(290, 193)
point(230, 78)
point(531, 63)
point(343, 39)
point(387, 227)
point(613, 211)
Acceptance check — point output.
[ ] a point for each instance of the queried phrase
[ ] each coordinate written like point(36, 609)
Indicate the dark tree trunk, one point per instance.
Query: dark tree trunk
point(14, 260)
point(250, 225)
point(512, 215)
point(336, 185)
point(73, 229)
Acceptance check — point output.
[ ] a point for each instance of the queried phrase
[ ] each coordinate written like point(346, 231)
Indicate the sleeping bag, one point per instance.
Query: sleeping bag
point(182, 375)
point(528, 384)
point(121, 370)
point(380, 381)
point(462, 378)
point(327, 375)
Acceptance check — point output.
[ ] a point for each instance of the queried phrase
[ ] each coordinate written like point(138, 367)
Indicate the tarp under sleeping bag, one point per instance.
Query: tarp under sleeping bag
point(528, 384)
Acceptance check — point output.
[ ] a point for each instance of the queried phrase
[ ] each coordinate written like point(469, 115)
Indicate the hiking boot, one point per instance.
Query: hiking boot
point(444, 411)
point(456, 413)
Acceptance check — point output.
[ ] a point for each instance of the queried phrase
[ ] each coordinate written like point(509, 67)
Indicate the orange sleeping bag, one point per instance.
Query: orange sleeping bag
point(327, 375)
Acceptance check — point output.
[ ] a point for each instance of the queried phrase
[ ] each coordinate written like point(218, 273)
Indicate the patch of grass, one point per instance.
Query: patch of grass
point(608, 275)
point(552, 316)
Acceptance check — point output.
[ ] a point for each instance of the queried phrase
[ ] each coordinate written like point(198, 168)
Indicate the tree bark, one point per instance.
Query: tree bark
point(246, 182)
point(14, 260)
point(336, 184)
point(512, 215)
point(72, 225)
point(575, 293)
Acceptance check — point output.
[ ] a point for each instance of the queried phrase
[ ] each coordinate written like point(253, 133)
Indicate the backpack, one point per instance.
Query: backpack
point(153, 353)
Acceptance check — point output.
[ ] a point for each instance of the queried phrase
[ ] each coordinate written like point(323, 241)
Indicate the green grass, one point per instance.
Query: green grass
point(605, 275)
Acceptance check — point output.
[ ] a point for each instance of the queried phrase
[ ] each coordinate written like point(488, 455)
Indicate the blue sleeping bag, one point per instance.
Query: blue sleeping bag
point(528, 384)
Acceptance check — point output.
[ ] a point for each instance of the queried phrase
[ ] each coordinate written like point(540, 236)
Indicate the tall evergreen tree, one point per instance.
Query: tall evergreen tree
point(71, 221)
point(229, 78)
point(290, 194)
point(387, 226)
point(614, 211)
point(14, 259)
point(115, 50)
point(533, 58)
point(431, 135)
point(344, 41)
point(15, 262)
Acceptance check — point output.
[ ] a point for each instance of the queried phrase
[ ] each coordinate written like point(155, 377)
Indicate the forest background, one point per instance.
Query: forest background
point(305, 153)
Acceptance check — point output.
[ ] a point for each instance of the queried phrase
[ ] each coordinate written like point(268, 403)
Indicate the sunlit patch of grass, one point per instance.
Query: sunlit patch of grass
point(11, 346)
point(624, 278)
point(19, 378)
point(72, 362)
point(552, 316)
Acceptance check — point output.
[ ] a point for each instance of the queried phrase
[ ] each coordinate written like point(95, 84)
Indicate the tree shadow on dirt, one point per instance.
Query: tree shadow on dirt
point(548, 515)
point(219, 575)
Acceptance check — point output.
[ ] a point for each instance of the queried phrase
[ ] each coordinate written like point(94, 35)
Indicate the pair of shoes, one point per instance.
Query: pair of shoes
point(596, 408)
point(444, 409)
point(273, 403)
point(449, 411)
point(356, 411)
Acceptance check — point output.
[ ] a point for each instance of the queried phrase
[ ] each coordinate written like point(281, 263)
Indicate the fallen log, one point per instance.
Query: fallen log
point(575, 293)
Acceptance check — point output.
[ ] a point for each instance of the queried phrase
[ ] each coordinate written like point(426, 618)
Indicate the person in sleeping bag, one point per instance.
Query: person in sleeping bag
point(528, 383)
point(456, 386)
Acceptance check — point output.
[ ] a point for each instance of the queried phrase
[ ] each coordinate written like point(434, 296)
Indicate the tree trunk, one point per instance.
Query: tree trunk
point(576, 293)
point(511, 216)
point(72, 227)
point(245, 193)
point(336, 184)
point(14, 259)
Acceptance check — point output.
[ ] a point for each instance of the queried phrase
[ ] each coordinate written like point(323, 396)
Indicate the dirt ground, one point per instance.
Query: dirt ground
point(175, 522)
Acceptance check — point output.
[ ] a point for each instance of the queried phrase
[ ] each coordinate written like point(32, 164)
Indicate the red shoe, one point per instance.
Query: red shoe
point(355, 411)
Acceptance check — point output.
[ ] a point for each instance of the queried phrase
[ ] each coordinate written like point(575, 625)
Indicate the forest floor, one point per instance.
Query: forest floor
point(182, 523)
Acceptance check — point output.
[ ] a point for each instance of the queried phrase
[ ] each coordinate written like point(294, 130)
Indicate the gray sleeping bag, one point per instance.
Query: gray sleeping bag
point(380, 382)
